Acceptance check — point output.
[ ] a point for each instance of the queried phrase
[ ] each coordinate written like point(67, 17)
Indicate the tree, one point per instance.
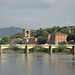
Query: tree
point(33, 33)
point(39, 32)
point(18, 41)
point(41, 40)
point(45, 33)
point(2, 42)
point(71, 37)
point(18, 35)
point(49, 30)
point(64, 29)
point(5, 39)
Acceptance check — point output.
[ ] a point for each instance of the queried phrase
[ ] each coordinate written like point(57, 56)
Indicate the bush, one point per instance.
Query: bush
point(39, 49)
point(60, 49)
point(13, 48)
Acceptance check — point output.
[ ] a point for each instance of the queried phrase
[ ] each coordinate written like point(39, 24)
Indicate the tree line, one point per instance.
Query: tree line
point(41, 34)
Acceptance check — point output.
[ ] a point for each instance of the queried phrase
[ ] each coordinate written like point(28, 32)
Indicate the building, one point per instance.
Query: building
point(26, 33)
point(31, 40)
point(56, 38)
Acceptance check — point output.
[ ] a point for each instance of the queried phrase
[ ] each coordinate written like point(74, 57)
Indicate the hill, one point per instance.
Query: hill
point(9, 31)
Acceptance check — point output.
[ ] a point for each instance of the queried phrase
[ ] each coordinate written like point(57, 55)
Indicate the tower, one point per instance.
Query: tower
point(26, 33)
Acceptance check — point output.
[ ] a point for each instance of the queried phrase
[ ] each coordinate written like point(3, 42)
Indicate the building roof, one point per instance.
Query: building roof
point(60, 34)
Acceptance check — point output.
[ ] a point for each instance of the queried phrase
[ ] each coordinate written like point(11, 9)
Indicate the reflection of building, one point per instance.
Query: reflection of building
point(56, 38)
point(26, 33)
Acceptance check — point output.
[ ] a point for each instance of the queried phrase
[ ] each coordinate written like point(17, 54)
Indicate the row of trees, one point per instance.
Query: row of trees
point(41, 34)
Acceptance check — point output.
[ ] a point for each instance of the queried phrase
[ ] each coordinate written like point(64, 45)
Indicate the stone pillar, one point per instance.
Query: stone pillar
point(50, 49)
point(0, 49)
point(26, 49)
point(73, 49)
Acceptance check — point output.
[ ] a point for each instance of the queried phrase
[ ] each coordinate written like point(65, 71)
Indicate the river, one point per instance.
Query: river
point(36, 64)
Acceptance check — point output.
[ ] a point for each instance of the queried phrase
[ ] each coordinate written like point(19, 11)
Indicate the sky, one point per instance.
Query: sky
point(35, 14)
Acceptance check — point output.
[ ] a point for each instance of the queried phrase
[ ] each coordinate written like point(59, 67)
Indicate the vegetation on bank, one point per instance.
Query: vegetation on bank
point(61, 49)
point(39, 49)
point(15, 48)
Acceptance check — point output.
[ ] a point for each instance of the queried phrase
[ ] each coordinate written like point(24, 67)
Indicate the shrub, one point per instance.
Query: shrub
point(60, 49)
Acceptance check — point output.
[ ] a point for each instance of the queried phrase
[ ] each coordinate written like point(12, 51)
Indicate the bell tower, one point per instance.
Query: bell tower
point(26, 33)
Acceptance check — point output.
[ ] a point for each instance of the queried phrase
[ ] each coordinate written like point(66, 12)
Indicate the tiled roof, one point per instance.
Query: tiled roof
point(60, 34)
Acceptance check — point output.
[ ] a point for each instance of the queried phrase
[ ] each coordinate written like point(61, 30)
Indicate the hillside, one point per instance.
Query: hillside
point(9, 31)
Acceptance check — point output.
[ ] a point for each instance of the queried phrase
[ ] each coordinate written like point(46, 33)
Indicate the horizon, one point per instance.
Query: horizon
point(34, 29)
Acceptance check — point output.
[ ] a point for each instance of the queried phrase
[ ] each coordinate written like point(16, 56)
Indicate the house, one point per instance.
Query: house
point(31, 40)
point(56, 38)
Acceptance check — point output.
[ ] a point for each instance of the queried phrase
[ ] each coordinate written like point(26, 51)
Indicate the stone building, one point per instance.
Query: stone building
point(26, 33)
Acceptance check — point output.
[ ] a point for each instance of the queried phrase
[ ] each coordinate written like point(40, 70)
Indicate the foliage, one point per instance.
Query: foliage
point(40, 49)
point(60, 49)
point(41, 40)
point(55, 29)
point(39, 32)
point(33, 33)
point(64, 29)
point(71, 37)
point(62, 43)
point(45, 33)
point(18, 41)
point(13, 48)
point(18, 35)
point(2, 42)
point(5, 40)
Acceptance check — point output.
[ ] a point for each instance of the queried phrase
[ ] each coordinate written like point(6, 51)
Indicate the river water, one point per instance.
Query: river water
point(36, 64)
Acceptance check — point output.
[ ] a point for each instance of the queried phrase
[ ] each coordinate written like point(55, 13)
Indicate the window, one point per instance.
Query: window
point(27, 32)
point(62, 36)
point(57, 36)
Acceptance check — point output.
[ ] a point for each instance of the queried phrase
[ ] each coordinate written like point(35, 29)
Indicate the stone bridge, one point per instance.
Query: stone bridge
point(29, 46)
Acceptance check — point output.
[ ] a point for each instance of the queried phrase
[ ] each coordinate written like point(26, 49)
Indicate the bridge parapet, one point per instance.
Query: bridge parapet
point(29, 46)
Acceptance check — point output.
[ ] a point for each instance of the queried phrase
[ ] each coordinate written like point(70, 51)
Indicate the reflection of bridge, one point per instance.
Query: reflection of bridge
point(29, 46)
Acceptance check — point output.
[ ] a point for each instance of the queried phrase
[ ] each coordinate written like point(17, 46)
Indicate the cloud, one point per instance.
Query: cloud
point(40, 4)
point(25, 19)
point(17, 4)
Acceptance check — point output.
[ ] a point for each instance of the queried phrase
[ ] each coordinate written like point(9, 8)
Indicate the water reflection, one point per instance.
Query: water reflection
point(36, 64)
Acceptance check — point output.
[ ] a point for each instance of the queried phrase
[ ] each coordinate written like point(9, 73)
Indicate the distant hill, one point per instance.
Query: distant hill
point(9, 31)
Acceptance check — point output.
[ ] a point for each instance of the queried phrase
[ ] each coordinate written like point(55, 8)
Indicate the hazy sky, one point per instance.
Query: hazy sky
point(34, 14)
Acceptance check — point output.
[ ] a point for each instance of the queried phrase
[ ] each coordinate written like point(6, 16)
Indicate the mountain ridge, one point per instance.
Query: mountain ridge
point(8, 31)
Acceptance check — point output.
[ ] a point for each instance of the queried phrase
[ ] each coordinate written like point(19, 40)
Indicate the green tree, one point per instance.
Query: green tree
point(45, 33)
point(71, 37)
point(49, 30)
point(18, 41)
point(39, 32)
point(33, 33)
point(18, 35)
point(5, 39)
point(41, 40)
point(2, 42)
point(64, 29)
